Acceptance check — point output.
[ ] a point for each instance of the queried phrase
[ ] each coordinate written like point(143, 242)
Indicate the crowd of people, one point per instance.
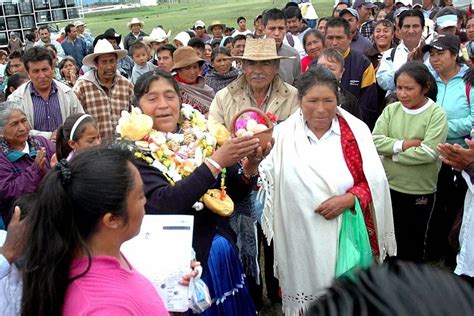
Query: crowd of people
point(373, 116)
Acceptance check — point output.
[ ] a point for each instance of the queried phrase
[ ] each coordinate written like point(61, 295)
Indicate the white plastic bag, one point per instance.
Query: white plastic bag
point(199, 297)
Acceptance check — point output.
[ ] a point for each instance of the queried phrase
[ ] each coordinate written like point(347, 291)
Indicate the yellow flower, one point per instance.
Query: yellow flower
point(219, 131)
point(135, 125)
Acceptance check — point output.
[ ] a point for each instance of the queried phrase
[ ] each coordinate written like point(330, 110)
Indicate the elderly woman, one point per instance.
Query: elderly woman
point(158, 96)
point(313, 42)
point(304, 199)
point(192, 87)
point(222, 72)
point(24, 159)
point(68, 70)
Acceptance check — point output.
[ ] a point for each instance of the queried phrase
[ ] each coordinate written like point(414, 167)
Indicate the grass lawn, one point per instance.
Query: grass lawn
point(179, 17)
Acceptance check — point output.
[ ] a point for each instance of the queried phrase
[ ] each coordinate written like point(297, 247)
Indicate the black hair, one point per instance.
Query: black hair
point(36, 54)
point(227, 40)
point(167, 47)
point(14, 81)
point(3, 53)
point(293, 12)
point(314, 32)
point(339, 22)
point(411, 13)
point(30, 36)
point(63, 62)
point(71, 202)
point(422, 76)
point(68, 27)
point(142, 86)
point(337, 5)
point(63, 134)
point(241, 18)
point(326, 18)
point(43, 27)
point(7, 69)
point(272, 15)
point(53, 48)
point(26, 203)
point(136, 46)
point(220, 50)
point(397, 288)
point(196, 42)
point(16, 54)
point(318, 76)
point(237, 38)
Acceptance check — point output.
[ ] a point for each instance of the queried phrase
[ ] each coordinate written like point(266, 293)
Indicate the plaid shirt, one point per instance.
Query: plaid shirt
point(367, 29)
point(103, 104)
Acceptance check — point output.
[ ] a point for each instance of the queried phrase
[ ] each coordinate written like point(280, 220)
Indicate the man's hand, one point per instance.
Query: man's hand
point(457, 156)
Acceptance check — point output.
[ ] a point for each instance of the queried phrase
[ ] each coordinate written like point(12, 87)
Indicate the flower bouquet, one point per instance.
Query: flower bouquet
point(175, 155)
point(253, 122)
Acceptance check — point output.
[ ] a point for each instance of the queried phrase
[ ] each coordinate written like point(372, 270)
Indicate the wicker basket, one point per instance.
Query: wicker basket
point(265, 136)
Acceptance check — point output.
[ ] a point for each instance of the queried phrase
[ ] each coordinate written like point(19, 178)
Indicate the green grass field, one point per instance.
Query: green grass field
point(179, 17)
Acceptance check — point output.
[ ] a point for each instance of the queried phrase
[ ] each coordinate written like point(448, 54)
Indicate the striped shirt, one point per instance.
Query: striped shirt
point(47, 113)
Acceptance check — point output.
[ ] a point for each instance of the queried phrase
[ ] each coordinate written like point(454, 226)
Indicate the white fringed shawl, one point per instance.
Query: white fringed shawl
point(294, 185)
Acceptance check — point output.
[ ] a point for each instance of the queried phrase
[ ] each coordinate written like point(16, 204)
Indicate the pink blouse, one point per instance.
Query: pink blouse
point(109, 289)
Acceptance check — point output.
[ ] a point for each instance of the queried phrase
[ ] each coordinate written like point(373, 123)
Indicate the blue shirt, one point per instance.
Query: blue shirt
point(76, 49)
point(47, 113)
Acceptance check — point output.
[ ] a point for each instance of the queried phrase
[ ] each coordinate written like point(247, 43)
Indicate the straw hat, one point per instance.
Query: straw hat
point(135, 21)
point(215, 23)
point(260, 49)
point(157, 35)
point(103, 47)
point(79, 23)
point(183, 37)
point(185, 56)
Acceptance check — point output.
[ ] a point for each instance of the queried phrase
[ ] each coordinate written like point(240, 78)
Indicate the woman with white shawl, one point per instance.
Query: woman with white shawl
point(322, 158)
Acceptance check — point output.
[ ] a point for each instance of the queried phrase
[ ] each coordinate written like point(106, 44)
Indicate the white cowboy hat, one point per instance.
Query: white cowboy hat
point(79, 23)
point(103, 47)
point(134, 21)
point(183, 37)
point(157, 35)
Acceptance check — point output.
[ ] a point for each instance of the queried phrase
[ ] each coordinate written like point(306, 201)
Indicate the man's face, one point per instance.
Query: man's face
point(80, 29)
point(352, 21)
point(411, 30)
point(44, 35)
point(238, 48)
point(276, 29)
point(165, 60)
point(136, 28)
point(72, 34)
point(242, 24)
point(106, 66)
point(364, 14)
point(199, 31)
point(17, 66)
point(41, 74)
point(113, 41)
point(336, 38)
point(260, 74)
point(217, 31)
point(294, 25)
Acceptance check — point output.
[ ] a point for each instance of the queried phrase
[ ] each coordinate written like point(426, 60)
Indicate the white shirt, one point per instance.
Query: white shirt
point(465, 258)
point(330, 142)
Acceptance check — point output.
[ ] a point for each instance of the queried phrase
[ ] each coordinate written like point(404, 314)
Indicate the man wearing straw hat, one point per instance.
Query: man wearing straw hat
point(102, 91)
point(135, 26)
point(259, 85)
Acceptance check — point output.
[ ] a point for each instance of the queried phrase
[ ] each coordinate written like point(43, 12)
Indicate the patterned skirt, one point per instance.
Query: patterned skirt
point(226, 282)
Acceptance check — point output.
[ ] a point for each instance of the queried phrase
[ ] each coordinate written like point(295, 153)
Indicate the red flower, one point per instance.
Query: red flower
point(272, 117)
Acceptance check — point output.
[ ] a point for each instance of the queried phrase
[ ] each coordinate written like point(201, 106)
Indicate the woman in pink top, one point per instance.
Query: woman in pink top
point(313, 42)
point(73, 266)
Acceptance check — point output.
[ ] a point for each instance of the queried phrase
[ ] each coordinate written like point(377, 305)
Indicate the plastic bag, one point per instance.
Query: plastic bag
point(354, 246)
point(199, 297)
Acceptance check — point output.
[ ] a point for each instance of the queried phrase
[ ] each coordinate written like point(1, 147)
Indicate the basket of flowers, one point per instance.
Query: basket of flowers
point(253, 122)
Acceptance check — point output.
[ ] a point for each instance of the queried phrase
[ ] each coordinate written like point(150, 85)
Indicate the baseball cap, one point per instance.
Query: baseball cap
point(444, 42)
point(351, 11)
point(406, 3)
point(363, 3)
point(447, 21)
point(199, 23)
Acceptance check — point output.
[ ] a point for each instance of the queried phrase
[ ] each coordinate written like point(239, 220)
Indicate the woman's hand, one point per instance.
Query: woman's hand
point(196, 272)
point(12, 249)
point(408, 143)
point(235, 150)
point(40, 158)
point(334, 206)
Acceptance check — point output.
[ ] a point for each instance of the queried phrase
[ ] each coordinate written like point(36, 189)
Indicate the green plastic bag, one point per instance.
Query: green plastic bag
point(354, 246)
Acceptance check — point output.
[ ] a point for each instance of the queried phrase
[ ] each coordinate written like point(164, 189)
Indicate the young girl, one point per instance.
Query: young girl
point(78, 132)
point(406, 135)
